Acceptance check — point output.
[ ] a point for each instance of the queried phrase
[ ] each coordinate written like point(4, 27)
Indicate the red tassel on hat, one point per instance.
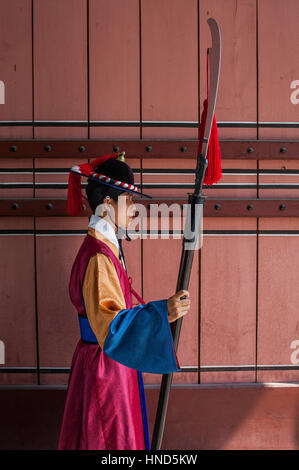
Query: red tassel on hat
point(74, 195)
point(213, 171)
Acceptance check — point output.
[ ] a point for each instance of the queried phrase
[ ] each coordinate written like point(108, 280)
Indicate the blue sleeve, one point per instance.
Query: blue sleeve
point(141, 338)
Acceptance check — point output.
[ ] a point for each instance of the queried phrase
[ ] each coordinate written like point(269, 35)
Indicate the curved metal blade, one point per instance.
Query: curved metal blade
point(214, 73)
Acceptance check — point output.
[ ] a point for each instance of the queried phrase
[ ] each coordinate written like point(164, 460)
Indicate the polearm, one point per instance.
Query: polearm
point(193, 223)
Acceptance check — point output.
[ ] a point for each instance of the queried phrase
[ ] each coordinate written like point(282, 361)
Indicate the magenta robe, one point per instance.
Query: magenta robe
point(105, 405)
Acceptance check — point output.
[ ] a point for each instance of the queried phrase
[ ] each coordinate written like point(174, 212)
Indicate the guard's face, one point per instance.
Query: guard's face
point(123, 210)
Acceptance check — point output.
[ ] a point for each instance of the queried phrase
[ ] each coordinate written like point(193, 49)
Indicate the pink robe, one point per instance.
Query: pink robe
point(105, 406)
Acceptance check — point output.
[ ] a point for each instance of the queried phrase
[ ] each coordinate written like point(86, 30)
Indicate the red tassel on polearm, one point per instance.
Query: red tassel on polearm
point(213, 171)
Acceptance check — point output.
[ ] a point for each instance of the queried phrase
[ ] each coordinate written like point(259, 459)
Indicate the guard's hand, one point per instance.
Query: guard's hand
point(178, 308)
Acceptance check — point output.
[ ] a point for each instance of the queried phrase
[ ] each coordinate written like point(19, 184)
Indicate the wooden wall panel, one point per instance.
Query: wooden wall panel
point(278, 67)
point(164, 256)
point(228, 300)
point(170, 93)
point(48, 178)
point(20, 173)
point(169, 74)
point(173, 174)
point(17, 318)
point(16, 73)
point(237, 94)
point(61, 94)
point(278, 299)
point(109, 61)
point(16, 67)
point(114, 66)
point(60, 66)
point(17, 293)
point(240, 182)
point(57, 318)
point(280, 178)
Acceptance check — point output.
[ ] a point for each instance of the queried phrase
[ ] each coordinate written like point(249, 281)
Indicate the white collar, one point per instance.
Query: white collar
point(106, 229)
point(101, 225)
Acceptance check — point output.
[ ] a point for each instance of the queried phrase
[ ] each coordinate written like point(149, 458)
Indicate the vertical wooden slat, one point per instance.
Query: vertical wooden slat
point(114, 66)
point(278, 299)
point(58, 320)
point(16, 67)
point(60, 66)
point(228, 263)
point(170, 93)
point(169, 66)
point(60, 93)
point(16, 73)
point(237, 87)
point(228, 300)
point(159, 284)
point(17, 329)
point(278, 47)
point(17, 319)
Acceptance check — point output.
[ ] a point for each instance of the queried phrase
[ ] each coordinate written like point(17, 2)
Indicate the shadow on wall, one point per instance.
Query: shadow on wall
point(231, 417)
point(224, 417)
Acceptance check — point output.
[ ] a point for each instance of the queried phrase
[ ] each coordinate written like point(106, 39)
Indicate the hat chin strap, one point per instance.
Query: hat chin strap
point(120, 239)
point(120, 230)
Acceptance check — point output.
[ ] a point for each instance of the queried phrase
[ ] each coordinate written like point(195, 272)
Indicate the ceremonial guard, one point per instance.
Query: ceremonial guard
point(105, 406)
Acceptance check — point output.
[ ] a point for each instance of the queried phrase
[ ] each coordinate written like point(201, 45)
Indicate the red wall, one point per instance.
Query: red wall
point(122, 61)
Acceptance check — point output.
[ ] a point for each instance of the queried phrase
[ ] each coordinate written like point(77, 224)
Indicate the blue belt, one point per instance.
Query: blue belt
point(87, 334)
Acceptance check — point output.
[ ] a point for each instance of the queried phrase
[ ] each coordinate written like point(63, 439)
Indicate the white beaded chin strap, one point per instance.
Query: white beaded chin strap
point(119, 230)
